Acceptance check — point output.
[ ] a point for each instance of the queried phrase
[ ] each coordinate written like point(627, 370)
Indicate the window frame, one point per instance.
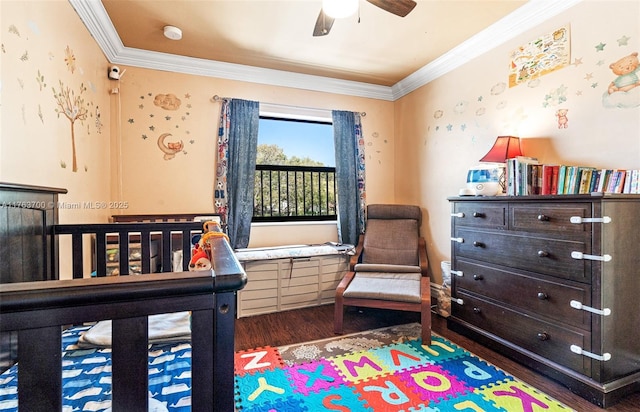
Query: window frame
point(313, 169)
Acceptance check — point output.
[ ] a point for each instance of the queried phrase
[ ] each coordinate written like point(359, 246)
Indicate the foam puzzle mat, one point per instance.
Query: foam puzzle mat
point(403, 376)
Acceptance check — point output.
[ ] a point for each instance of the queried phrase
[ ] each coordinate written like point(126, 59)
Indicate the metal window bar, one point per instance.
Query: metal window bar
point(294, 193)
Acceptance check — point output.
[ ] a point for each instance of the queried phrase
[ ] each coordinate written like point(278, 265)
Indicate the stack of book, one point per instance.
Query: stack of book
point(527, 176)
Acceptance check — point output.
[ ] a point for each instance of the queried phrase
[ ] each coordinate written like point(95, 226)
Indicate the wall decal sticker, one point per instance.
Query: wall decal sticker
point(498, 88)
point(623, 91)
point(167, 101)
point(74, 108)
point(555, 97)
point(40, 80)
point(14, 30)
point(563, 120)
point(170, 148)
point(543, 55)
point(70, 59)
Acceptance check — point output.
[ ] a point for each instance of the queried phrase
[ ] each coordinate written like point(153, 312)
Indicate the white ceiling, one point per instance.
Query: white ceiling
point(372, 54)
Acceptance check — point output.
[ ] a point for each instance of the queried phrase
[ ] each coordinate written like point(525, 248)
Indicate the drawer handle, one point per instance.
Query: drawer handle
point(477, 310)
point(580, 255)
point(543, 336)
point(578, 305)
point(543, 296)
point(478, 277)
point(459, 214)
point(542, 253)
point(478, 214)
point(478, 244)
point(578, 350)
point(578, 219)
point(543, 218)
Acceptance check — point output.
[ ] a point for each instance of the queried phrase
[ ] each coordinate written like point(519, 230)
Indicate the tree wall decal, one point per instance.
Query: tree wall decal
point(73, 107)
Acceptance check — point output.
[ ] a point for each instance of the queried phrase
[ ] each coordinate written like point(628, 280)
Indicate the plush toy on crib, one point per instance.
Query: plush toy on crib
point(199, 259)
point(201, 255)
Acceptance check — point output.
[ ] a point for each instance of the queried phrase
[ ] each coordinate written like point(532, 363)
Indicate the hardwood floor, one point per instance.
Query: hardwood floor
point(283, 328)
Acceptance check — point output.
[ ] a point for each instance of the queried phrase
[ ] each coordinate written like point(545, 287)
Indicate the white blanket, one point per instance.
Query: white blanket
point(168, 327)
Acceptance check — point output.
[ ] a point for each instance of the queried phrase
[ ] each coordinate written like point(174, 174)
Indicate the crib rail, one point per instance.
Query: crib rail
point(125, 234)
point(38, 311)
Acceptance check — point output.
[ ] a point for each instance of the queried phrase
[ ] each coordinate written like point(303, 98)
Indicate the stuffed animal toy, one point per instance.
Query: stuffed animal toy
point(200, 259)
point(201, 255)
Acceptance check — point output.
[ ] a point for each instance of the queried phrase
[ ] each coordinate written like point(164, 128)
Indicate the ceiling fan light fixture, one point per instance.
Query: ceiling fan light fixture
point(339, 9)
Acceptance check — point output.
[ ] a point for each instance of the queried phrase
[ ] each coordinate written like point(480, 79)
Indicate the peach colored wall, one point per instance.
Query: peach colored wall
point(447, 125)
point(151, 182)
point(45, 50)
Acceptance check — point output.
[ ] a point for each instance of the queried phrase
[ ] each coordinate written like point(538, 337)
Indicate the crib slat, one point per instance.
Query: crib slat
point(101, 254)
point(129, 364)
point(145, 251)
point(40, 370)
point(202, 388)
point(123, 253)
point(166, 251)
point(186, 245)
point(76, 255)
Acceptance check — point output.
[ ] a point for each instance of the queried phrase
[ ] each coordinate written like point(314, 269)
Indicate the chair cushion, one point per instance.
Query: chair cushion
point(379, 211)
point(374, 267)
point(403, 287)
point(393, 241)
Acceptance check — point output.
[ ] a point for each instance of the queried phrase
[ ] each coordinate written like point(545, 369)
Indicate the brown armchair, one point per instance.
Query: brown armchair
point(389, 269)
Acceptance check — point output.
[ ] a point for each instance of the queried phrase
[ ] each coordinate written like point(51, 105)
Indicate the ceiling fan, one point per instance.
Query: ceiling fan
point(398, 7)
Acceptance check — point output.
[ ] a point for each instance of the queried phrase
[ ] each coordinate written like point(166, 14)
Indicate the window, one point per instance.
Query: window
point(295, 170)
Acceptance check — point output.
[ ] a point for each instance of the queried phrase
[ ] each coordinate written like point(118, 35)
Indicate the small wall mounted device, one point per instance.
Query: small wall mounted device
point(114, 72)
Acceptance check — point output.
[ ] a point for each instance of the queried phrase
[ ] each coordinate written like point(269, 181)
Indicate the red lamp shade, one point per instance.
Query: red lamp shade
point(505, 147)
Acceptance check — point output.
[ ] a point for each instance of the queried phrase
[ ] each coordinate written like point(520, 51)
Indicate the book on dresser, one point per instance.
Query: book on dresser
point(526, 176)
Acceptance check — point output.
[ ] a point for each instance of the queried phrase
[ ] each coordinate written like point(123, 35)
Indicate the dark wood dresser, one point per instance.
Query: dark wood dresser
point(553, 282)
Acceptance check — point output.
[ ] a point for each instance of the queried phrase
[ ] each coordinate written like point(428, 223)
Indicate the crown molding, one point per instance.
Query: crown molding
point(519, 21)
point(95, 18)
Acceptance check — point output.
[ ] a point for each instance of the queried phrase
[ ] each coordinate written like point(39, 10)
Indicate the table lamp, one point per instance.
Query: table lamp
point(490, 179)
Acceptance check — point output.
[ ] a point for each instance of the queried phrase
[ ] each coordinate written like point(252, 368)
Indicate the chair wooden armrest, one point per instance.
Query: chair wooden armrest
point(422, 256)
point(355, 259)
point(344, 283)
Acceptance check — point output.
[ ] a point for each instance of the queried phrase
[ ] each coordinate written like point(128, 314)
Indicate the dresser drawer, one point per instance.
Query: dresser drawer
point(550, 256)
point(546, 339)
point(549, 217)
point(480, 214)
point(542, 297)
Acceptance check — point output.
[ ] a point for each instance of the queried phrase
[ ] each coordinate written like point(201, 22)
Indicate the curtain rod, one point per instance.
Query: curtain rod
point(217, 98)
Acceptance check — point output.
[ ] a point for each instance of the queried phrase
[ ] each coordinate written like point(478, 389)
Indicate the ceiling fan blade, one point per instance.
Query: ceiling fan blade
point(323, 24)
point(398, 7)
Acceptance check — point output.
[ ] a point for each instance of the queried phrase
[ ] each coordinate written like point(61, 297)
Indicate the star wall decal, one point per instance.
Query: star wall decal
point(623, 41)
point(600, 47)
point(577, 61)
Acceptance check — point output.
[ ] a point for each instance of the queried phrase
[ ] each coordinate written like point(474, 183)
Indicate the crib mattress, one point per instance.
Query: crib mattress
point(86, 377)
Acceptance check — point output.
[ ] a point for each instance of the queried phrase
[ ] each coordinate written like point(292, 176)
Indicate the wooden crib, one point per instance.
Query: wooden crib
point(35, 306)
